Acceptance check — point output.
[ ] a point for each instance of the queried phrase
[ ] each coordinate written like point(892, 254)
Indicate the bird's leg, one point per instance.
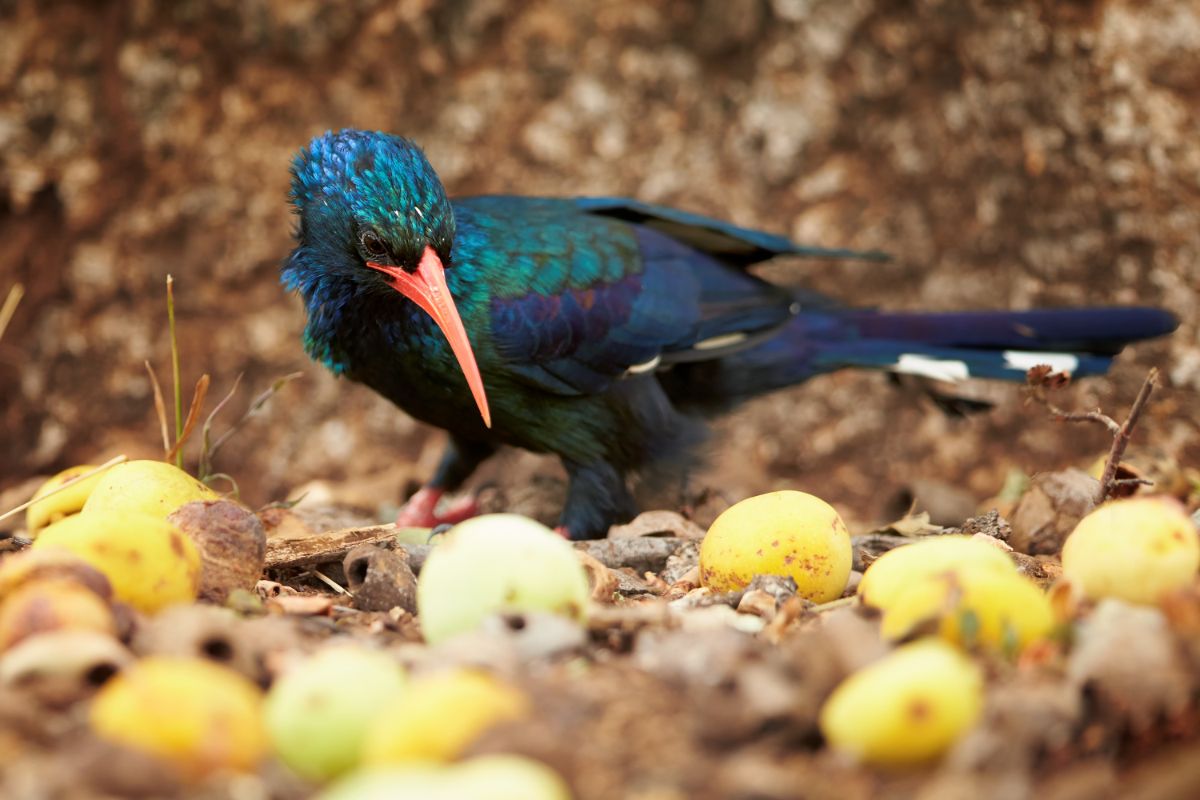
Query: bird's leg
point(458, 462)
point(597, 498)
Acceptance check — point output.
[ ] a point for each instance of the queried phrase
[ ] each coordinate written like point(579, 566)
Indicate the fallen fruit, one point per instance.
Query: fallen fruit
point(149, 563)
point(63, 504)
point(318, 712)
point(64, 665)
point(1136, 550)
point(787, 533)
point(155, 488)
point(898, 569)
point(439, 716)
point(231, 542)
point(492, 777)
point(909, 707)
point(494, 564)
point(37, 564)
point(508, 777)
point(1002, 611)
point(52, 604)
point(197, 715)
point(408, 782)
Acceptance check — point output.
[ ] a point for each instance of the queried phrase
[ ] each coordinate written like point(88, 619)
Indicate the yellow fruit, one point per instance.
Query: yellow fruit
point(1001, 611)
point(52, 604)
point(780, 533)
point(907, 708)
point(148, 561)
point(439, 716)
point(63, 504)
point(493, 564)
point(318, 712)
point(155, 488)
point(198, 715)
point(897, 569)
point(1135, 550)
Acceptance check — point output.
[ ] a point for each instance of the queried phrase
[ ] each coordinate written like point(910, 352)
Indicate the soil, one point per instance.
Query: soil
point(1008, 155)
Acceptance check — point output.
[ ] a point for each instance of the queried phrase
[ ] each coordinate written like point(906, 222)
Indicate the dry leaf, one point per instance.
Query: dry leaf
point(601, 579)
point(1051, 508)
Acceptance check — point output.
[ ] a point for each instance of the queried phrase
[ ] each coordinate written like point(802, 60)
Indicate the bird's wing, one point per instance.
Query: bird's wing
point(724, 240)
point(588, 300)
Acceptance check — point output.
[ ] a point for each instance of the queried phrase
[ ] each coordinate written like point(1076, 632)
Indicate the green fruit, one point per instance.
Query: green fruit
point(498, 563)
point(408, 782)
point(898, 569)
point(508, 777)
point(907, 708)
point(786, 533)
point(1136, 550)
point(318, 713)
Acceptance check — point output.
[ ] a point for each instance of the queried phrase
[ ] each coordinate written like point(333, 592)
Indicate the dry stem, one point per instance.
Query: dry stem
point(10, 306)
point(1041, 379)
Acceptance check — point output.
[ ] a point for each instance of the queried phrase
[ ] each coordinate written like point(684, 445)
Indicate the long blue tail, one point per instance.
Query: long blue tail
point(944, 346)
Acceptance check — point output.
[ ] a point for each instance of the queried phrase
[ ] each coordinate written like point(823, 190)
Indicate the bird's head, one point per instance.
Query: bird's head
point(375, 217)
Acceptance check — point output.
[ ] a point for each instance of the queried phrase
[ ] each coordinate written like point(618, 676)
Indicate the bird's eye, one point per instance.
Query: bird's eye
point(372, 244)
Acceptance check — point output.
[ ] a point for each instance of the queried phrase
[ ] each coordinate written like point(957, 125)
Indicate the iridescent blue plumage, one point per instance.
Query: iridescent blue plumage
point(602, 327)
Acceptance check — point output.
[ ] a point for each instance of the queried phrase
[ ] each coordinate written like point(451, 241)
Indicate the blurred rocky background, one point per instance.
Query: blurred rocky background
point(1009, 154)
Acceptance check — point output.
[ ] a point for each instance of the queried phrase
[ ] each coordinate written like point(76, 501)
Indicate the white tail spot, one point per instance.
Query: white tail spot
point(1025, 361)
point(938, 369)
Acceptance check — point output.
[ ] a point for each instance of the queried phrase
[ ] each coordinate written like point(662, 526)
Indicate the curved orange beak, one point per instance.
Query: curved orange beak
point(427, 288)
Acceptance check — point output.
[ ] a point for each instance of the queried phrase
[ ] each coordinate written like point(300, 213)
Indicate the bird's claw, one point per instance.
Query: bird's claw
point(421, 510)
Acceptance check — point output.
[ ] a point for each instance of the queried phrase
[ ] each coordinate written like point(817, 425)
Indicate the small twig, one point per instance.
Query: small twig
point(1085, 416)
point(160, 408)
point(205, 464)
point(1132, 482)
point(255, 405)
point(175, 369)
point(1121, 438)
point(1041, 378)
point(211, 478)
point(330, 582)
point(10, 306)
point(112, 462)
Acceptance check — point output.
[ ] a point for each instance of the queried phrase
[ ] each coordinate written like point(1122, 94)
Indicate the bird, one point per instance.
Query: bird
point(603, 330)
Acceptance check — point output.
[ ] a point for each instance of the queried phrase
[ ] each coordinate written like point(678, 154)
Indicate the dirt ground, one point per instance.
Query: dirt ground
point(1009, 155)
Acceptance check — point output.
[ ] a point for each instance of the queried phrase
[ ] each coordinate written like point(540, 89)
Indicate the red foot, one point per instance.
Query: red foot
point(419, 511)
point(562, 531)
